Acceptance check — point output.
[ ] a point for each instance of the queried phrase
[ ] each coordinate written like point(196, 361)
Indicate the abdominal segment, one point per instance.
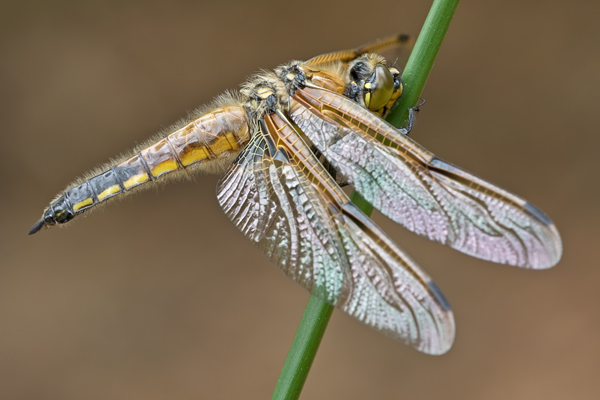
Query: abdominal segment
point(204, 144)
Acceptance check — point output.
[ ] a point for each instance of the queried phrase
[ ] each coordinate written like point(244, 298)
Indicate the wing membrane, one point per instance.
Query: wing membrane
point(425, 194)
point(334, 252)
point(379, 46)
point(266, 199)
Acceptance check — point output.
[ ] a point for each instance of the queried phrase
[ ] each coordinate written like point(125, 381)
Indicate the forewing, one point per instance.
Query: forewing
point(423, 193)
point(379, 46)
point(331, 252)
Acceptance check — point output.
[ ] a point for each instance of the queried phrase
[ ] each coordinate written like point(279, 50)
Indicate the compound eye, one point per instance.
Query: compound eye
point(379, 88)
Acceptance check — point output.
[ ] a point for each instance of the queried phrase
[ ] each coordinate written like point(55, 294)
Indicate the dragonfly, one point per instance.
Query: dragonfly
point(286, 143)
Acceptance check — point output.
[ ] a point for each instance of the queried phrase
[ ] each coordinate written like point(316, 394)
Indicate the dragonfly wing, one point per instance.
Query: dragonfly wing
point(390, 291)
point(268, 201)
point(391, 42)
point(423, 193)
point(331, 252)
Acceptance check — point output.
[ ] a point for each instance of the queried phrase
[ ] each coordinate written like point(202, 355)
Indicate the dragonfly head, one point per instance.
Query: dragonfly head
point(373, 83)
point(378, 88)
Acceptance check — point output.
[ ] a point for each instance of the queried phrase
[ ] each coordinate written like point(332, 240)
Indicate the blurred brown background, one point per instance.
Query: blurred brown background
point(160, 296)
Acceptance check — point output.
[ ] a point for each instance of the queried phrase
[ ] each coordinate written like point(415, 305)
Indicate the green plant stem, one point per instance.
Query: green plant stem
point(422, 57)
point(317, 313)
point(304, 349)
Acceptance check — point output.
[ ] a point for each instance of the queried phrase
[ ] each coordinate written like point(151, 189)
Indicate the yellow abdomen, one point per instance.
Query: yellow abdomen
point(208, 144)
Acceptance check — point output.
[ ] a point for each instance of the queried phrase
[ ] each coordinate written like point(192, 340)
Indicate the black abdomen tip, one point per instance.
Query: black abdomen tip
point(38, 225)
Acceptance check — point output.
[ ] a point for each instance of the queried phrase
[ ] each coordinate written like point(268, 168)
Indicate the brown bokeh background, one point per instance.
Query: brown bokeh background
point(160, 297)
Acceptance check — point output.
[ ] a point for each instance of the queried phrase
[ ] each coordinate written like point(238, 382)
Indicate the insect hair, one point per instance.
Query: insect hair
point(220, 163)
point(216, 166)
point(263, 75)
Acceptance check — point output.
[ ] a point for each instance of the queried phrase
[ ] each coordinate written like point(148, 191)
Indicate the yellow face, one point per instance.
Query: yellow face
point(378, 89)
point(376, 85)
point(367, 80)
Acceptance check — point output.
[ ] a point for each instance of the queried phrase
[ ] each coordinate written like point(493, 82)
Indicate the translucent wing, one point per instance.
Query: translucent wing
point(335, 252)
point(423, 193)
point(391, 42)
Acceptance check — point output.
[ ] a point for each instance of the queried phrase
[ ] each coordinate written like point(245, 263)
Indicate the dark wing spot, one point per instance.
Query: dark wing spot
point(439, 296)
point(539, 214)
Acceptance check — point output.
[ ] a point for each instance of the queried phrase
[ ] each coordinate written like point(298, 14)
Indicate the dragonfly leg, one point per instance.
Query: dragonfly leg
point(412, 112)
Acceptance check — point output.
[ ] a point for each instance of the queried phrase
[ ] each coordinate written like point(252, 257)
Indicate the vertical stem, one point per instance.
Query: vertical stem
point(303, 350)
point(422, 57)
point(316, 316)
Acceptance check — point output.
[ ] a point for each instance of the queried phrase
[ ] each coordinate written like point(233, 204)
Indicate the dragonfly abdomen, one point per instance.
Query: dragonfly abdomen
point(208, 144)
